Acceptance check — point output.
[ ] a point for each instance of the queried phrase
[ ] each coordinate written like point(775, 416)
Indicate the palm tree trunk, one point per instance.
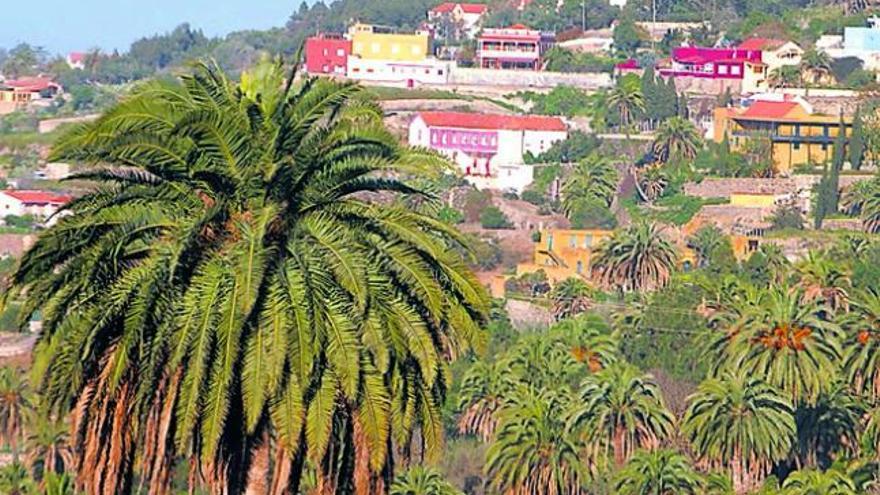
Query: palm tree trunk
point(737, 467)
point(618, 445)
point(258, 472)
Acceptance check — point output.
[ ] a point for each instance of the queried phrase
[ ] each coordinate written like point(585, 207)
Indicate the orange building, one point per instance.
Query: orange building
point(564, 253)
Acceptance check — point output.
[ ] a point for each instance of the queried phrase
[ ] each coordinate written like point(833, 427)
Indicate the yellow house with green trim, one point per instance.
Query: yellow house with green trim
point(375, 43)
point(797, 135)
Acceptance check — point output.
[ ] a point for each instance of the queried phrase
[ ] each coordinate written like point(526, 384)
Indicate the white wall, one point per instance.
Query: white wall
point(429, 71)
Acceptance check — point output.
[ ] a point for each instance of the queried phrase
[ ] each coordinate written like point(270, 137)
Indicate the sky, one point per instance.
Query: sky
point(62, 26)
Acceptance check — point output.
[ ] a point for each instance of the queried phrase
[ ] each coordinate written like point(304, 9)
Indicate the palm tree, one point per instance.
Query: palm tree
point(861, 362)
point(15, 480)
point(651, 182)
point(853, 199)
point(227, 282)
point(659, 472)
point(570, 297)
point(484, 388)
point(419, 480)
point(815, 66)
point(589, 340)
point(813, 482)
point(622, 408)
point(14, 406)
point(534, 453)
point(870, 208)
point(824, 281)
point(828, 429)
point(58, 484)
point(785, 340)
point(627, 98)
point(592, 181)
point(677, 137)
point(705, 242)
point(741, 423)
point(784, 77)
point(47, 447)
point(636, 259)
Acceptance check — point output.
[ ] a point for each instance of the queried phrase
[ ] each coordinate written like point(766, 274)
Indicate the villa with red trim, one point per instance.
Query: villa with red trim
point(734, 68)
point(466, 17)
point(327, 53)
point(514, 47)
point(489, 149)
point(22, 202)
point(17, 94)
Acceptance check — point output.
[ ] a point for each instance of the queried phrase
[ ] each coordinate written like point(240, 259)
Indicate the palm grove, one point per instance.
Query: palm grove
point(254, 299)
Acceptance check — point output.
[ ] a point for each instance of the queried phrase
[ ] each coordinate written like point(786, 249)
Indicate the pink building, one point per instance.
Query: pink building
point(744, 70)
point(327, 54)
point(515, 47)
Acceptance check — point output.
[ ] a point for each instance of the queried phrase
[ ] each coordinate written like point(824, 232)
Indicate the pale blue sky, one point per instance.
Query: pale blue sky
point(61, 26)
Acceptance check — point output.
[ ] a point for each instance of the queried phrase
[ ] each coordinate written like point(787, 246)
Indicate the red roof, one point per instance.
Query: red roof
point(31, 197)
point(760, 44)
point(76, 57)
point(34, 84)
point(769, 109)
point(493, 122)
point(519, 26)
point(468, 8)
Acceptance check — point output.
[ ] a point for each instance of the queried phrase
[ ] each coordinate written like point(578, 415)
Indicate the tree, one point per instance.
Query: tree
point(815, 66)
point(676, 137)
point(854, 197)
point(861, 361)
point(493, 218)
point(709, 242)
point(660, 472)
point(810, 481)
point(570, 297)
point(740, 423)
point(22, 60)
point(484, 388)
point(828, 189)
point(47, 447)
point(593, 180)
point(534, 452)
point(621, 407)
point(651, 182)
point(857, 143)
point(824, 281)
point(870, 207)
point(58, 484)
point(15, 403)
point(627, 37)
point(227, 283)
point(636, 259)
point(626, 97)
point(784, 338)
point(14, 480)
point(419, 480)
point(787, 216)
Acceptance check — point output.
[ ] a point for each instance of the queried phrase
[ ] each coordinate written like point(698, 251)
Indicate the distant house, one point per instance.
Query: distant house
point(740, 70)
point(41, 204)
point(514, 47)
point(563, 254)
point(17, 94)
point(862, 42)
point(489, 149)
point(464, 19)
point(327, 54)
point(797, 134)
point(774, 53)
point(76, 60)
point(597, 41)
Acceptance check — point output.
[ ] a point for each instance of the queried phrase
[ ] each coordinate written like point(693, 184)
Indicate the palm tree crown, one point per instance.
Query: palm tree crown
point(227, 280)
point(636, 259)
point(677, 137)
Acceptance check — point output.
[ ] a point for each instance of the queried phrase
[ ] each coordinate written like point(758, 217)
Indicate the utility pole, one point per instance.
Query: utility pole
point(583, 15)
point(653, 22)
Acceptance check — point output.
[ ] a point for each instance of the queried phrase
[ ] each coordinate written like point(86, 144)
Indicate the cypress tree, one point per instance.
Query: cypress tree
point(857, 141)
point(828, 190)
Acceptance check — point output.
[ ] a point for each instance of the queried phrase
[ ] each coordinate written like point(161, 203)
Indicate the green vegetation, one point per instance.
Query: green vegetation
point(493, 218)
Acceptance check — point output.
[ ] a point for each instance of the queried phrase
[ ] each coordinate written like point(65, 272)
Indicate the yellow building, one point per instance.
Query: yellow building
point(564, 253)
point(797, 135)
point(754, 200)
point(374, 43)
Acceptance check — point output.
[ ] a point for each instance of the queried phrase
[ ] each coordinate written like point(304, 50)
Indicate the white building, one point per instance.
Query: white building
point(465, 18)
point(488, 149)
point(400, 73)
point(41, 204)
point(860, 42)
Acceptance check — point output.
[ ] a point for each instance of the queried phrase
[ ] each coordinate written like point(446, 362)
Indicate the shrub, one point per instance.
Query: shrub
point(787, 216)
point(493, 218)
point(533, 197)
point(450, 215)
point(590, 215)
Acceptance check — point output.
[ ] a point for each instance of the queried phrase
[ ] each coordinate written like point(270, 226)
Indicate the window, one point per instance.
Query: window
point(415, 50)
point(824, 146)
point(395, 48)
point(797, 146)
point(735, 70)
point(572, 241)
point(588, 241)
point(340, 52)
point(326, 52)
point(797, 129)
point(375, 48)
point(753, 245)
point(722, 69)
point(580, 267)
point(325, 69)
point(549, 242)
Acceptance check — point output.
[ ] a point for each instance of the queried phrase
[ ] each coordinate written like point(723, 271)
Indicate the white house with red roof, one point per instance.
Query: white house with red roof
point(465, 17)
point(41, 204)
point(774, 53)
point(489, 149)
point(76, 60)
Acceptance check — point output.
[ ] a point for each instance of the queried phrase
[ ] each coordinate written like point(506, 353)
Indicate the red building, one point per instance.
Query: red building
point(327, 54)
point(515, 47)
